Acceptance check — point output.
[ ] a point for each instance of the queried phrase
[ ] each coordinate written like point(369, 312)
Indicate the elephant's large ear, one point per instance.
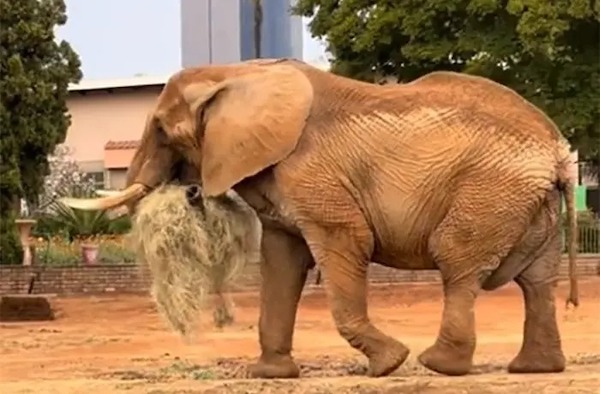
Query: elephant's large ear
point(252, 121)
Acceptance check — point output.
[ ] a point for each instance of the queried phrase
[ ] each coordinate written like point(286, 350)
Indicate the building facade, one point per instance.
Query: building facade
point(108, 116)
point(222, 31)
point(107, 121)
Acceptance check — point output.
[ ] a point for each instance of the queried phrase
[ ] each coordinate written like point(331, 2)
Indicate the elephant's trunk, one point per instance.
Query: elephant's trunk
point(193, 195)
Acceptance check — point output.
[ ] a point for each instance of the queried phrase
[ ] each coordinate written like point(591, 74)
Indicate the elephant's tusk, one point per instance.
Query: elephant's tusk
point(133, 192)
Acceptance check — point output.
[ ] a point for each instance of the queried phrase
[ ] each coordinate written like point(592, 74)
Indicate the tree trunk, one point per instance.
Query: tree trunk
point(258, 19)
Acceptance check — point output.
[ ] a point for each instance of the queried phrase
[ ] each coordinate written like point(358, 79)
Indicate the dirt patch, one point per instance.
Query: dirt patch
point(25, 308)
point(119, 344)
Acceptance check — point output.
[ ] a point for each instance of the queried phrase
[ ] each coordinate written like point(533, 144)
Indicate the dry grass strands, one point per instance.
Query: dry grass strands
point(193, 252)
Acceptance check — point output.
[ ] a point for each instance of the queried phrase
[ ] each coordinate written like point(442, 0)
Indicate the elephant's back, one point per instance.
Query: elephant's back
point(488, 96)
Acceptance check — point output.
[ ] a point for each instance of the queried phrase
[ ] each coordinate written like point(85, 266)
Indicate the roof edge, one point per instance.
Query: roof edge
point(98, 84)
point(121, 144)
point(141, 81)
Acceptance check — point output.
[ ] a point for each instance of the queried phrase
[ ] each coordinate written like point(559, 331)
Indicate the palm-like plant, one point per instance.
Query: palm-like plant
point(57, 217)
point(80, 226)
point(77, 223)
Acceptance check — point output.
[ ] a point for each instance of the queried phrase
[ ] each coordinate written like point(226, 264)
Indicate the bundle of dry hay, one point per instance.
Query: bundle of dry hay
point(193, 252)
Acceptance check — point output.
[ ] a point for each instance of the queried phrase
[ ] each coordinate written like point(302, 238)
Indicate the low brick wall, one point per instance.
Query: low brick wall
point(74, 280)
point(132, 278)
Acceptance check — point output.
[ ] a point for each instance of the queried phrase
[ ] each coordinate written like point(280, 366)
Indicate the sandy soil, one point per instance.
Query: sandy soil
point(118, 344)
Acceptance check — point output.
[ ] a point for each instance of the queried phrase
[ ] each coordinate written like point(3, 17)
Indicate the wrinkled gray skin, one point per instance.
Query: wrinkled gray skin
point(450, 172)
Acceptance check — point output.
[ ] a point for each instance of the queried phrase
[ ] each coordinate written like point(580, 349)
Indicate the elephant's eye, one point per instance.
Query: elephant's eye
point(161, 135)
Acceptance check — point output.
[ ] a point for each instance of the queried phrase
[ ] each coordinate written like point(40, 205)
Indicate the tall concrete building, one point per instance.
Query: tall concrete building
point(222, 31)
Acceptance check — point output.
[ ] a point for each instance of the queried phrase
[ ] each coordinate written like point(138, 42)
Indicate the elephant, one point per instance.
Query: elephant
point(449, 172)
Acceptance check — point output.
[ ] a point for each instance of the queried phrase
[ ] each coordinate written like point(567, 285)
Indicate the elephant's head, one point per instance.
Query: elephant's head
point(216, 125)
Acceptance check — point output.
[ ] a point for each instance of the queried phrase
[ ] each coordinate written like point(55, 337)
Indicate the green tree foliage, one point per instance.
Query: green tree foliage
point(35, 71)
point(548, 51)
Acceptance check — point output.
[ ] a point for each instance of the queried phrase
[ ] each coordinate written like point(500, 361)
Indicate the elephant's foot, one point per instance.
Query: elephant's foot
point(276, 367)
point(392, 355)
point(452, 360)
point(531, 361)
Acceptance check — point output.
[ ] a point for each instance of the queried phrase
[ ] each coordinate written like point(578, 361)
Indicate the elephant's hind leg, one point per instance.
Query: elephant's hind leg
point(342, 255)
point(467, 246)
point(286, 260)
point(541, 350)
point(452, 352)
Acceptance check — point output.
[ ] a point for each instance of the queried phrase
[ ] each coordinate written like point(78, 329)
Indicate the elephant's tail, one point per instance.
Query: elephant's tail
point(566, 184)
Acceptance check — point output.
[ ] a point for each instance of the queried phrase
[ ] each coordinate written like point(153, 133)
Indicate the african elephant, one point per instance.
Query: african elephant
point(449, 172)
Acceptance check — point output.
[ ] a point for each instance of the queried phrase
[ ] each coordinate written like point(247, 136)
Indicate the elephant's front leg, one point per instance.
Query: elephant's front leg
point(285, 263)
point(343, 257)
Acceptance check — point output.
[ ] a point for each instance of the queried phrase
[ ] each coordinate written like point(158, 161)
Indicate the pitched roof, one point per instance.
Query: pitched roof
point(127, 144)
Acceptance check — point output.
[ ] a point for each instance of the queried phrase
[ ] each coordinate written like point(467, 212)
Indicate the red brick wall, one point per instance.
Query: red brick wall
point(70, 280)
point(131, 278)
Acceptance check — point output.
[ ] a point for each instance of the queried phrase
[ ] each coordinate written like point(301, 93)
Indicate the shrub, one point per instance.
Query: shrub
point(60, 251)
point(59, 254)
point(10, 245)
point(115, 253)
point(120, 225)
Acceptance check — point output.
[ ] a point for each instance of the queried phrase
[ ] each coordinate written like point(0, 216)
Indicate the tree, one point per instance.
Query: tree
point(65, 178)
point(547, 51)
point(35, 71)
point(258, 20)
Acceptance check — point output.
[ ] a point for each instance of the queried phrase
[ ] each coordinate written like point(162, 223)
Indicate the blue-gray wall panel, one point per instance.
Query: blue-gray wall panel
point(225, 29)
point(222, 31)
point(195, 46)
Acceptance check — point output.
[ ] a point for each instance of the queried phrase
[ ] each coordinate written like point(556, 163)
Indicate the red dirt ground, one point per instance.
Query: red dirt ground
point(118, 344)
